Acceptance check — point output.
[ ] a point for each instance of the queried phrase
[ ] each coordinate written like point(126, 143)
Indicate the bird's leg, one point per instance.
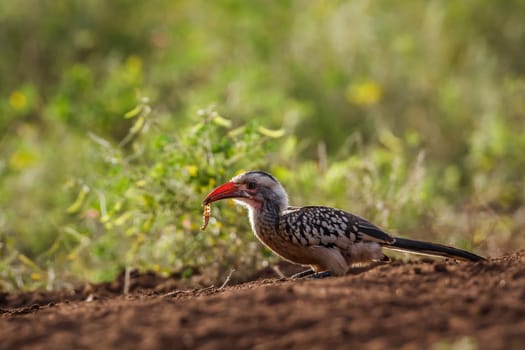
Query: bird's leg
point(323, 274)
point(311, 274)
point(303, 274)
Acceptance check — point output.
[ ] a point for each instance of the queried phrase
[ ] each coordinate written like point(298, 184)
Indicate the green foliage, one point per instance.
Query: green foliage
point(145, 212)
point(410, 115)
point(141, 206)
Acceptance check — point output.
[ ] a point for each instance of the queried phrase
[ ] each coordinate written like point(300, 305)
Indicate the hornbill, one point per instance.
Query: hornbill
point(329, 240)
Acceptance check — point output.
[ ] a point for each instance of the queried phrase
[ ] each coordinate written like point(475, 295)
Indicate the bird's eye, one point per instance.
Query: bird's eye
point(251, 185)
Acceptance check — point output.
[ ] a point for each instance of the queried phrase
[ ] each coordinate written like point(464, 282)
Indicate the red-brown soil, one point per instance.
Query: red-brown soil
point(409, 305)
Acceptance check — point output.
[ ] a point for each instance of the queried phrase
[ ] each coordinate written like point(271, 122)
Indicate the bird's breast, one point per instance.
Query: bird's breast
point(272, 235)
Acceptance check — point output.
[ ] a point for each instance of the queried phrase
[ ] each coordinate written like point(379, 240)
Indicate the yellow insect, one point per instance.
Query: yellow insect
point(206, 216)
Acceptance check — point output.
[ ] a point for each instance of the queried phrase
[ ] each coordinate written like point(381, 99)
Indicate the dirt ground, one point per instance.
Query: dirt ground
point(406, 305)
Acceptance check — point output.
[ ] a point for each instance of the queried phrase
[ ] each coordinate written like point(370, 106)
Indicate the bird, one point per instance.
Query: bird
point(328, 240)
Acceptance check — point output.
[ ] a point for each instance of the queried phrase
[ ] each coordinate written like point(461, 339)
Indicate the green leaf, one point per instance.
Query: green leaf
point(24, 259)
point(134, 112)
point(237, 131)
point(77, 205)
point(221, 121)
point(99, 140)
point(139, 124)
point(271, 133)
point(146, 226)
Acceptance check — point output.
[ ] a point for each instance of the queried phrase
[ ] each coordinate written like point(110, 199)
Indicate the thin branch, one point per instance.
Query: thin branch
point(227, 279)
point(127, 273)
point(278, 271)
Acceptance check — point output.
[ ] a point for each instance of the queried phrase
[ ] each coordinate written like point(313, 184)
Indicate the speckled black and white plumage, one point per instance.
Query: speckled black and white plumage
point(327, 239)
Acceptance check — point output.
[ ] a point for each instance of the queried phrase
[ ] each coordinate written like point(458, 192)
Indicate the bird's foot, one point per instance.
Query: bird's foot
point(303, 274)
point(311, 274)
point(356, 270)
point(323, 274)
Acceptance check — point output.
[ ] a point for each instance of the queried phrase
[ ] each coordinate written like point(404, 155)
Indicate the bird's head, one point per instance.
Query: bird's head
point(253, 189)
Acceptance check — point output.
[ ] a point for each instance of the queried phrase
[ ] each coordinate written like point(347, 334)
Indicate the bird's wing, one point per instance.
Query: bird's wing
point(330, 227)
point(371, 232)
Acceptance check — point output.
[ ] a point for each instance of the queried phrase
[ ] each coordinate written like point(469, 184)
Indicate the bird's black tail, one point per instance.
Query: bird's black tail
point(428, 248)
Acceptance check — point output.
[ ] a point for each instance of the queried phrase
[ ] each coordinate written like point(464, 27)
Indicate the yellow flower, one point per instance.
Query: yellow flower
point(21, 160)
point(192, 170)
point(35, 276)
point(18, 100)
point(364, 94)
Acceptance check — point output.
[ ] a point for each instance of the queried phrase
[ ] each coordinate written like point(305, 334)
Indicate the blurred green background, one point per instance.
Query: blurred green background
point(117, 117)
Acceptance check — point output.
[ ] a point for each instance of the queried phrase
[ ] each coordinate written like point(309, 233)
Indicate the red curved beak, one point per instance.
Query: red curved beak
point(227, 190)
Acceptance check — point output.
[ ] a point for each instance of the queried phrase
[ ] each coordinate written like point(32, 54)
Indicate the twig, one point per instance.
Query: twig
point(227, 279)
point(190, 291)
point(175, 292)
point(127, 273)
point(278, 271)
